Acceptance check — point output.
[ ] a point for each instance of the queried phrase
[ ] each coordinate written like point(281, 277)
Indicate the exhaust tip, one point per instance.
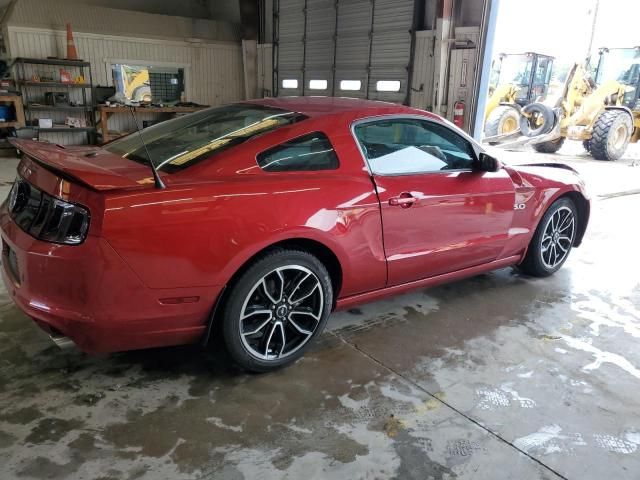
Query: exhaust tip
point(62, 342)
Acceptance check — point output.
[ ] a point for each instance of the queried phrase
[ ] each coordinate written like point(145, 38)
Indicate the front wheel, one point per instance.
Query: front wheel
point(552, 240)
point(275, 309)
point(502, 120)
point(611, 134)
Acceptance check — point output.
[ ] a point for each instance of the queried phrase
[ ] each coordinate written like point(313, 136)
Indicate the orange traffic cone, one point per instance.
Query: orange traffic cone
point(72, 54)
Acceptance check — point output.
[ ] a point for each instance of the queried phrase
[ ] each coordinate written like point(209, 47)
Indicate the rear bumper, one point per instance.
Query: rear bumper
point(89, 294)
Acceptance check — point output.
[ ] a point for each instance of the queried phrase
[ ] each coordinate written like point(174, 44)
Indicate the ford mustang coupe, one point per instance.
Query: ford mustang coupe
point(261, 217)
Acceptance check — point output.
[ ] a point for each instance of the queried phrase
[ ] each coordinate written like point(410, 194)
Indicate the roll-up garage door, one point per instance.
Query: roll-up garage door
point(290, 46)
point(319, 47)
point(354, 48)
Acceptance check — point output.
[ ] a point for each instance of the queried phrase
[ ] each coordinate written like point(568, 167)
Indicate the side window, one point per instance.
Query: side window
point(541, 71)
point(403, 146)
point(303, 154)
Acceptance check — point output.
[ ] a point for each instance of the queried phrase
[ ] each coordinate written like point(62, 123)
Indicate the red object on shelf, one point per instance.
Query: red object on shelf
point(65, 76)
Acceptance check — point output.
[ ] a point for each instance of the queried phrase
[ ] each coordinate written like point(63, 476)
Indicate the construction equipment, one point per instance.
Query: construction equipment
point(522, 79)
point(602, 111)
point(618, 77)
point(133, 82)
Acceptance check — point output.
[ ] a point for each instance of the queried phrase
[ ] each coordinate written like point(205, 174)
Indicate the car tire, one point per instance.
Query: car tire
point(552, 146)
point(552, 241)
point(537, 110)
point(275, 309)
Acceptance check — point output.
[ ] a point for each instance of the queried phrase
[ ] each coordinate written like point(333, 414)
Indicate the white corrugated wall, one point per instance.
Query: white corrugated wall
point(213, 71)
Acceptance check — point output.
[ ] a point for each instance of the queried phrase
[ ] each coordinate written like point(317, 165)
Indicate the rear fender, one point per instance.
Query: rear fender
point(515, 106)
point(622, 108)
point(246, 255)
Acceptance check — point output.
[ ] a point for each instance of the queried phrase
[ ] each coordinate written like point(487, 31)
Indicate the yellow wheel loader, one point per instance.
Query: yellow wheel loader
point(522, 79)
point(618, 77)
point(133, 81)
point(602, 111)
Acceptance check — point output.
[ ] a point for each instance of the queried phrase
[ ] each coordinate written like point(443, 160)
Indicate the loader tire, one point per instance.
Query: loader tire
point(552, 146)
point(587, 145)
point(537, 110)
point(502, 120)
point(611, 135)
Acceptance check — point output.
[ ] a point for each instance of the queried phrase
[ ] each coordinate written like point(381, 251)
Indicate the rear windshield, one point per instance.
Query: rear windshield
point(183, 141)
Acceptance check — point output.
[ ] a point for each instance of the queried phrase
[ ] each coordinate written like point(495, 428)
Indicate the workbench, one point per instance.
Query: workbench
point(107, 111)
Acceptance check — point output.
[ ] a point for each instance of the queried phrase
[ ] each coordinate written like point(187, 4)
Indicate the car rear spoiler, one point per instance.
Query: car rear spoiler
point(76, 164)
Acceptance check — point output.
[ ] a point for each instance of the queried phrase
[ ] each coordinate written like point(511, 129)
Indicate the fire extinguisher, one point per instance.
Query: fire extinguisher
point(458, 113)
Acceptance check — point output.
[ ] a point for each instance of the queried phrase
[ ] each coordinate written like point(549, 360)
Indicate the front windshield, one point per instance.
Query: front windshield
point(183, 141)
point(516, 69)
point(620, 64)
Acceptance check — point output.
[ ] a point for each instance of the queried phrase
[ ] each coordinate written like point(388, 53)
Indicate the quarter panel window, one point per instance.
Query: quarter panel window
point(310, 152)
point(403, 146)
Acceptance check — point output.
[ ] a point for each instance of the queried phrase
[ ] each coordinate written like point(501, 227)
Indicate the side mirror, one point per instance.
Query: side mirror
point(487, 163)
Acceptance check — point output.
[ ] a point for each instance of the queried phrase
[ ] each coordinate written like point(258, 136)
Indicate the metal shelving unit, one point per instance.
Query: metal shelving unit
point(33, 94)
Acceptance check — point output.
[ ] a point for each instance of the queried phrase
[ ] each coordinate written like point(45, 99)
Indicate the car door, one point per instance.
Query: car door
point(439, 213)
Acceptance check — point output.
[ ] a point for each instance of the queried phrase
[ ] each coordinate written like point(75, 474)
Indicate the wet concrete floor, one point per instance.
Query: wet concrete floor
point(496, 377)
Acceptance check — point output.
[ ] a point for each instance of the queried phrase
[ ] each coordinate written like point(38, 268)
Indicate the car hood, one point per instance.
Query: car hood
point(543, 165)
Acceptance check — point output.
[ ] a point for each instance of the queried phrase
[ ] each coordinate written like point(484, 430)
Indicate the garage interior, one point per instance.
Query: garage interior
point(498, 376)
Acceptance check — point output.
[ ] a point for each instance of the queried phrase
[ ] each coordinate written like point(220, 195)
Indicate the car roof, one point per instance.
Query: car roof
point(323, 106)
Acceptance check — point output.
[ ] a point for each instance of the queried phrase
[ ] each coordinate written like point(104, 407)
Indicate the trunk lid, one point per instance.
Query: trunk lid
point(91, 166)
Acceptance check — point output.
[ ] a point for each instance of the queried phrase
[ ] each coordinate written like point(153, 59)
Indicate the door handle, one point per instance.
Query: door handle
point(405, 200)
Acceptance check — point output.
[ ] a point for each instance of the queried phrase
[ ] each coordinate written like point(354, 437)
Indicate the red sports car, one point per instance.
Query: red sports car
point(264, 216)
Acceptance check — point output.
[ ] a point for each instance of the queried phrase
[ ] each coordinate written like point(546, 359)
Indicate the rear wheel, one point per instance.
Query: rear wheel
point(551, 146)
point(275, 309)
point(502, 120)
point(611, 134)
point(552, 241)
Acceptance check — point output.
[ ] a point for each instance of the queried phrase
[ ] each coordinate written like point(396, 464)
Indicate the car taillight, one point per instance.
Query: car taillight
point(45, 217)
